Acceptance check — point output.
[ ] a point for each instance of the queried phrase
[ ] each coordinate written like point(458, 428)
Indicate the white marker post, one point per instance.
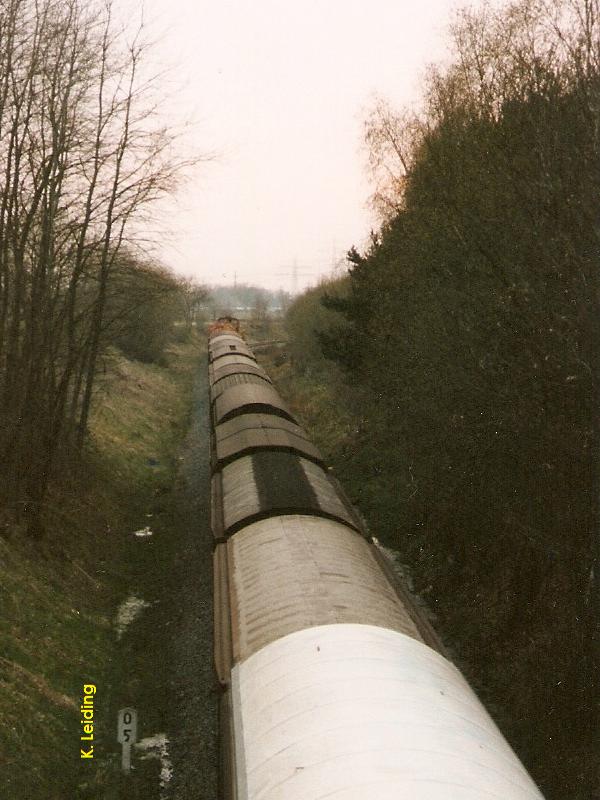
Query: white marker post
point(127, 734)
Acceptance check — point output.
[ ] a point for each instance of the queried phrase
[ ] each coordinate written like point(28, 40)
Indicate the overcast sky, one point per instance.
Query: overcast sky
point(277, 91)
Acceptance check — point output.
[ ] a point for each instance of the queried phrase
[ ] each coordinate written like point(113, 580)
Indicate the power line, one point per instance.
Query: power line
point(294, 274)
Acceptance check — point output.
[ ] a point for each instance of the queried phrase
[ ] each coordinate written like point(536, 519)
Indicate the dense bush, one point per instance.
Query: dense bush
point(307, 319)
point(472, 321)
point(145, 311)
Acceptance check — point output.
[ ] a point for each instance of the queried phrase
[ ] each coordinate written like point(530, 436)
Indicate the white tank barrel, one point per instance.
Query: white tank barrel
point(357, 712)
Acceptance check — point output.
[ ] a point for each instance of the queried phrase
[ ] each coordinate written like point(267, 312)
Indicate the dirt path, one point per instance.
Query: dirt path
point(165, 666)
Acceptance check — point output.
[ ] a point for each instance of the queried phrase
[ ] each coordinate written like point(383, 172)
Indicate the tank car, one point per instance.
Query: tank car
point(333, 683)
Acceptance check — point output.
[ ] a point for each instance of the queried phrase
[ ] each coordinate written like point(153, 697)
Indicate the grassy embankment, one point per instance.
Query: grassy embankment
point(59, 597)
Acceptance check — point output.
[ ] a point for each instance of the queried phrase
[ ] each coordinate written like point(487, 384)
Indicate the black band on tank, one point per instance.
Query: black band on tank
point(281, 482)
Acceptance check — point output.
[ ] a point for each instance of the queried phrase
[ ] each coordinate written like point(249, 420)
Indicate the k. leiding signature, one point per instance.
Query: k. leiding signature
point(87, 720)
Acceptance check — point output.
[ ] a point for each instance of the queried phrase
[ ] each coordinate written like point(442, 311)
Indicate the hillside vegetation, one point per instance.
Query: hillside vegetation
point(59, 597)
point(464, 363)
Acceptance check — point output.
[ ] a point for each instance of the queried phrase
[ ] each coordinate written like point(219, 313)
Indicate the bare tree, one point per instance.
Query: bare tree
point(192, 297)
point(84, 155)
point(390, 137)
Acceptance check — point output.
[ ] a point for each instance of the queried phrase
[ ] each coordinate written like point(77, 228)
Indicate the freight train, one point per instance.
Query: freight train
point(333, 683)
